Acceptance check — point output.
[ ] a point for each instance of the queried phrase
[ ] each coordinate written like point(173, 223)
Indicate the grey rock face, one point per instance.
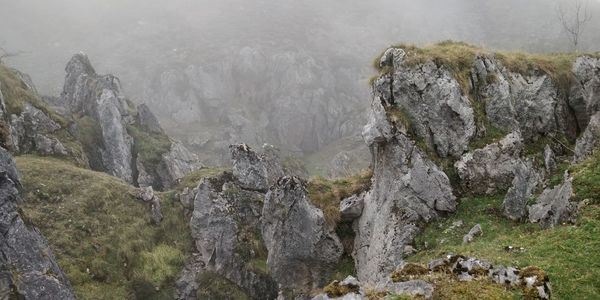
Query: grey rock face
point(100, 98)
point(297, 237)
point(585, 92)
point(407, 188)
point(148, 120)
point(413, 288)
point(433, 100)
point(27, 128)
point(255, 171)
point(488, 170)
point(589, 141)
point(351, 208)
point(475, 231)
point(143, 178)
point(523, 185)
point(224, 225)
point(177, 163)
point(27, 266)
point(549, 159)
point(553, 206)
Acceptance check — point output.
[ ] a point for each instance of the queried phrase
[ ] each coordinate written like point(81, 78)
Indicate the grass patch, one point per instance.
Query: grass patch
point(451, 289)
point(327, 194)
point(149, 147)
point(102, 237)
point(192, 179)
point(586, 179)
point(17, 94)
point(570, 255)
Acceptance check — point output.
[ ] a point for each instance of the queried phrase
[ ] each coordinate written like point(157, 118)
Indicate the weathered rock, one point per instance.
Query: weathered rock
point(143, 178)
point(589, 141)
point(553, 206)
point(351, 207)
point(523, 186)
point(255, 171)
point(584, 97)
point(297, 237)
point(407, 188)
point(475, 231)
point(49, 146)
point(433, 100)
point(413, 288)
point(28, 269)
point(147, 195)
point(224, 225)
point(187, 197)
point(506, 276)
point(100, 97)
point(187, 284)
point(378, 129)
point(31, 123)
point(148, 120)
point(491, 169)
point(177, 163)
point(549, 159)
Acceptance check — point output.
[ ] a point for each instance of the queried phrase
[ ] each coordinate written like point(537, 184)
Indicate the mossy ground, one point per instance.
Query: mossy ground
point(149, 147)
point(101, 235)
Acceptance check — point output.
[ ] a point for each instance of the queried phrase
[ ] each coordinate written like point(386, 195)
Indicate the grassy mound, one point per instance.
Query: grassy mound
point(101, 235)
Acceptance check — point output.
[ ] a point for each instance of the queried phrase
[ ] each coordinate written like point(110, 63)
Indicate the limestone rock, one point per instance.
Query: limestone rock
point(553, 207)
point(255, 171)
point(407, 188)
point(488, 170)
point(28, 269)
point(148, 120)
point(224, 224)
point(147, 195)
point(549, 159)
point(585, 92)
point(143, 178)
point(589, 141)
point(31, 123)
point(297, 237)
point(351, 207)
point(522, 189)
point(176, 164)
point(413, 288)
point(378, 129)
point(475, 231)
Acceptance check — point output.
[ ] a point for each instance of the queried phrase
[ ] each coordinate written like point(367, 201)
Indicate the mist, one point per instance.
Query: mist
point(291, 73)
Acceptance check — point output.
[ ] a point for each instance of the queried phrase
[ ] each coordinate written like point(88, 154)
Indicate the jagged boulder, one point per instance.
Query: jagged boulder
point(28, 269)
point(255, 171)
point(177, 163)
point(147, 195)
point(523, 186)
point(432, 99)
point(225, 225)
point(99, 97)
point(584, 96)
point(589, 141)
point(407, 188)
point(30, 124)
point(490, 169)
point(553, 207)
point(351, 208)
point(302, 249)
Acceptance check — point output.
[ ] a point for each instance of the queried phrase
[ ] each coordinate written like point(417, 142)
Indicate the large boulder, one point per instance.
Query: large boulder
point(491, 169)
point(553, 207)
point(584, 97)
point(589, 141)
point(28, 269)
point(225, 225)
point(433, 101)
point(302, 249)
point(254, 170)
point(523, 186)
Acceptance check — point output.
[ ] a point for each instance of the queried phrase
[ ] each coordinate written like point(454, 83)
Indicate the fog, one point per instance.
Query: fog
point(292, 73)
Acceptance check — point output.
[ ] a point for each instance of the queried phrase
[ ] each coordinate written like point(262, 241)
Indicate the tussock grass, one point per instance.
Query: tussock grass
point(149, 147)
point(102, 237)
point(327, 194)
point(191, 180)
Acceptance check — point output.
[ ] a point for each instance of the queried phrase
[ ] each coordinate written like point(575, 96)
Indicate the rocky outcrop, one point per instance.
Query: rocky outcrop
point(553, 207)
point(351, 208)
point(100, 98)
point(407, 188)
point(526, 180)
point(297, 237)
point(490, 169)
point(433, 100)
point(148, 120)
point(177, 163)
point(255, 171)
point(147, 195)
point(585, 92)
point(28, 269)
point(589, 141)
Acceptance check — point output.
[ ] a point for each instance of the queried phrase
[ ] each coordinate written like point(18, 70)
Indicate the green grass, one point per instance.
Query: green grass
point(102, 236)
point(16, 95)
point(586, 182)
point(569, 254)
point(327, 194)
point(149, 147)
